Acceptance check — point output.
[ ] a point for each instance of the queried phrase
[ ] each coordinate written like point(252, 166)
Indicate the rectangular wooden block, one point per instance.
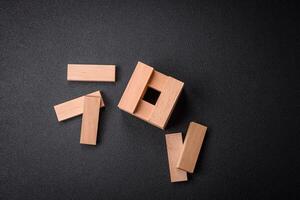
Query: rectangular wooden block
point(166, 102)
point(157, 80)
point(174, 147)
point(73, 107)
point(95, 73)
point(90, 117)
point(144, 110)
point(157, 110)
point(191, 147)
point(135, 87)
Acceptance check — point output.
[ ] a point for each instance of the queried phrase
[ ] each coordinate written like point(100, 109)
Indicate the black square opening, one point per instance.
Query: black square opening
point(151, 95)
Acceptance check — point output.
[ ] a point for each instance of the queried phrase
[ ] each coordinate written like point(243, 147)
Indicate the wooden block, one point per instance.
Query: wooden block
point(144, 110)
point(166, 102)
point(156, 113)
point(135, 87)
point(158, 81)
point(174, 147)
point(191, 147)
point(95, 73)
point(90, 117)
point(73, 107)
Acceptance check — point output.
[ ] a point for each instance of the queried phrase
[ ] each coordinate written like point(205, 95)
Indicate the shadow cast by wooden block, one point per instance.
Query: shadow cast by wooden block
point(102, 120)
point(117, 74)
point(180, 110)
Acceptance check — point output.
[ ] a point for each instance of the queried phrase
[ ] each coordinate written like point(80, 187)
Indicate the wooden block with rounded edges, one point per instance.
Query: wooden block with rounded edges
point(73, 107)
point(174, 146)
point(90, 117)
point(191, 147)
point(135, 88)
point(93, 73)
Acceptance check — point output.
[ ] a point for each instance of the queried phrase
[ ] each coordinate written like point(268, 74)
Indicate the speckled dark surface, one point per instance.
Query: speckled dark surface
point(239, 64)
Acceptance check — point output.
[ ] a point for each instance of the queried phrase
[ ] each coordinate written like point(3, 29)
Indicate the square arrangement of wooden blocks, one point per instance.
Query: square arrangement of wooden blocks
point(145, 78)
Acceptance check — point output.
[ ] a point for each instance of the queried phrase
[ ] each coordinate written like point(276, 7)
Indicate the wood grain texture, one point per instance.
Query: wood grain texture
point(174, 146)
point(157, 81)
point(94, 73)
point(90, 117)
point(166, 102)
point(73, 107)
point(144, 110)
point(191, 147)
point(135, 87)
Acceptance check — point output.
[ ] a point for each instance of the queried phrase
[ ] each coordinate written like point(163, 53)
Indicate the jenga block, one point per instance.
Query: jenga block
point(83, 72)
point(135, 88)
point(144, 110)
point(191, 147)
point(174, 147)
point(90, 117)
point(158, 80)
point(73, 107)
point(166, 102)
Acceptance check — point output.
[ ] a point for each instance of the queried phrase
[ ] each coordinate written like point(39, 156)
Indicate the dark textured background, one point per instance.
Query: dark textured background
point(239, 64)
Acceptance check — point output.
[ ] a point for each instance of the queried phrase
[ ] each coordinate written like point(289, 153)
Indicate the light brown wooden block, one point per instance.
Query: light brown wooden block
point(90, 117)
point(144, 110)
point(191, 147)
point(95, 73)
point(73, 107)
point(174, 147)
point(135, 87)
point(158, 80)
point(166, 102)
point(145, 77)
